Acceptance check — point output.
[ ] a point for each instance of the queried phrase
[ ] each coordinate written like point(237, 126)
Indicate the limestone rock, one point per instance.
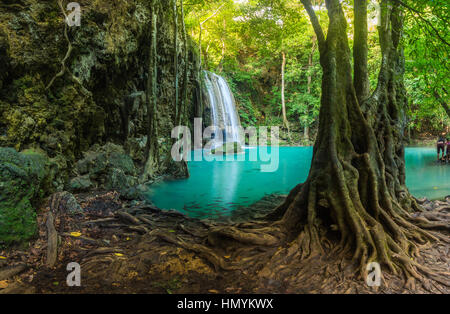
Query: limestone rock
point(227, 149)
point(24, 179)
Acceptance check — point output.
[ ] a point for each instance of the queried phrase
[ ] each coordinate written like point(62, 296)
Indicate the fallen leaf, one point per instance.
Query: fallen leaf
point(3, 284)
point(213, 291)
point(75, 234)
point(2, 257)
point(118, 254)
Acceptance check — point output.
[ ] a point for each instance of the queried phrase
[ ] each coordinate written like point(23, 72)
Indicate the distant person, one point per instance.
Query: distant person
point(441, 147)
point(448, 149)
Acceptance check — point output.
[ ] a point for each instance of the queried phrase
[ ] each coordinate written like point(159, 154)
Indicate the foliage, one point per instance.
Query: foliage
point(244, 40)
point(427, 70)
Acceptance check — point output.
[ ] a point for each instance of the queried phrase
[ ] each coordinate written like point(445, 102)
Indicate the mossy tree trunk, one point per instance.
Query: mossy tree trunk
point(180, 110)
point(309, 84)
point(175, 60)
point(151, 151)
point(184, 92)
point(283, 101)
point(356, 185)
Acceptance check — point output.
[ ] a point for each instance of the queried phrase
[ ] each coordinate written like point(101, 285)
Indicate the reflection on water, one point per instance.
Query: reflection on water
point(216, 188)
point(424, 176)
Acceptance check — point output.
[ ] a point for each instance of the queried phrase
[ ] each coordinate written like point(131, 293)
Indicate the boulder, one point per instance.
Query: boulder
point(106, 167)
point(228, 149)
point(24, 180)
point(80, 184)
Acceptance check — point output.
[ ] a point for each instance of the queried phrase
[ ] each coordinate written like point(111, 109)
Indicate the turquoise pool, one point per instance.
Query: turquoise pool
point(216, 188)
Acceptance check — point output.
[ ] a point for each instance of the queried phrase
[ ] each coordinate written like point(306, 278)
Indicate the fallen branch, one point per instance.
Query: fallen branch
point(104, 250)
point(87, 239)
point(103, 220)
point(52, 241)
point(8, 272)
point(128, 218)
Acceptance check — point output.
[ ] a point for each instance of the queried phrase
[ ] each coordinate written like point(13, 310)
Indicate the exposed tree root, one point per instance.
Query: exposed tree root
point(64, 68)
point(52, 241)
point(207, 253)
point(381, 231)
point(260, 237)
point(269, 253)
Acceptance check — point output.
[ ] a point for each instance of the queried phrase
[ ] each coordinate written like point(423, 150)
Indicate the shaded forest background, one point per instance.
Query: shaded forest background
point(246, 41)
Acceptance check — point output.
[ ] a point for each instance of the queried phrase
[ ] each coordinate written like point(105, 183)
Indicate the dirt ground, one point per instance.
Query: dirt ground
point(131, 247)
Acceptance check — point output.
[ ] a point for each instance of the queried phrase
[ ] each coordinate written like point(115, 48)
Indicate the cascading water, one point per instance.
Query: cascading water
point(223, 108)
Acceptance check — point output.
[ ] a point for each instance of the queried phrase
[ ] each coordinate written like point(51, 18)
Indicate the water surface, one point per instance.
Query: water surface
point(216, 188)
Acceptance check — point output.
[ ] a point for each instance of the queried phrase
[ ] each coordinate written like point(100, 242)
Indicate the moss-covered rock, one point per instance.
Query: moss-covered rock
point(80, 184)
point(109, 58)
point(227, 149)
point(107, 167)
point(24, 180)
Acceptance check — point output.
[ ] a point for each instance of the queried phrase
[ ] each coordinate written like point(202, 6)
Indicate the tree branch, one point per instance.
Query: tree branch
point(442, 102)
point(212, 15)
point(64, 68)
point(411, 9)
point(315, 22)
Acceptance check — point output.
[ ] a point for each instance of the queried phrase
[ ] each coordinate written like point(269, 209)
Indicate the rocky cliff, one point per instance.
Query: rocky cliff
point(70, 91)
point(65, 94)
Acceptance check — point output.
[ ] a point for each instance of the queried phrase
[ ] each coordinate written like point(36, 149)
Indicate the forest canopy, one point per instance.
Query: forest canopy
point(245, 41)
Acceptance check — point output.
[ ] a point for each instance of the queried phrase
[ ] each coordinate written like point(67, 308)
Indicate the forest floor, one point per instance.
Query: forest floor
point(129, 247)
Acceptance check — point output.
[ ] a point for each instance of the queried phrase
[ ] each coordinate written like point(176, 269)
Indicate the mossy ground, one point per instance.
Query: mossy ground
point(25, 179)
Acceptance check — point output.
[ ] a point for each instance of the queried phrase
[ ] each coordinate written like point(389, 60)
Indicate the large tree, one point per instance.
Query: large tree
point(357, 180)
point(355, 191)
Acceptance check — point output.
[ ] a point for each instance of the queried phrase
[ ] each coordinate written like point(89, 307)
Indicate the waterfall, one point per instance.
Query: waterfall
point(222, 107)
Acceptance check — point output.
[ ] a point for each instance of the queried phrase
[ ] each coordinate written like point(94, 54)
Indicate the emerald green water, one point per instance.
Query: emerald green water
point(216, 188)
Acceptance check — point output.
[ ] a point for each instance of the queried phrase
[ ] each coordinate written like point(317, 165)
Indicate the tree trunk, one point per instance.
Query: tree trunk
point(222, 59)
point(356, 184)
point(175, 60)
point(360, 51)
point(283, 101)
point(186, 67)
point(151, 99)
point(309, 83)
point(182, 170)
point(220, 66)
point(442, 102)
point(199, 107)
